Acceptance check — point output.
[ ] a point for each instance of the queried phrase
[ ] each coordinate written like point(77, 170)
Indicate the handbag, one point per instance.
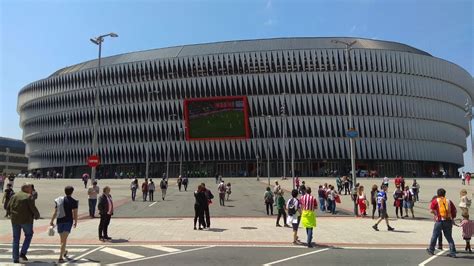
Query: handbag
point(51, 231)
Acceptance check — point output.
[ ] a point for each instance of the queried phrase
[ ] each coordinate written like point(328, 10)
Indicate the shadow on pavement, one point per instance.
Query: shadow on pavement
point(120, 240)
point(216, 230)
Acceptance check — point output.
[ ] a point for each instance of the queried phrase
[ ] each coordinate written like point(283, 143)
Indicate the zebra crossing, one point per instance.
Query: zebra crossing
point(90, 254)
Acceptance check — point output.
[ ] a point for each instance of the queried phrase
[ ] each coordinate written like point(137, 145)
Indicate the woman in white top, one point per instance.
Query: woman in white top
point(465, 202)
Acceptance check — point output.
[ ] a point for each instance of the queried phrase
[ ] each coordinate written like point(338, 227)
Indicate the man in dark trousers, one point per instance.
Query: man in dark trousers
point(209, 197)
point(106, 210)
point(22, 210)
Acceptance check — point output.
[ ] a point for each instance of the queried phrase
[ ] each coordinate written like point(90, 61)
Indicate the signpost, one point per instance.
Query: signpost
point(352, 133)
point(93, 161)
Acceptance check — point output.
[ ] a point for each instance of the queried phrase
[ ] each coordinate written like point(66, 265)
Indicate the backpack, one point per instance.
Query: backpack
point(163, 184)
point(444, 208)
point(291, 207)
point(269, 198)
point(222, 188)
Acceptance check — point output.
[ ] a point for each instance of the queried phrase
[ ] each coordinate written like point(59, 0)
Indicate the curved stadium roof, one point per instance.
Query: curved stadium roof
point(238, 46)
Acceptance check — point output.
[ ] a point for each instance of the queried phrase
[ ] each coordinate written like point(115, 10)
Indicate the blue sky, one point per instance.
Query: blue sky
point(39, 37)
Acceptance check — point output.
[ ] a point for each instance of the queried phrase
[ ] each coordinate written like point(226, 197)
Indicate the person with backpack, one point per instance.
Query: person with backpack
point(65, 211)
point(7, 195)
point(398, 201)
point(145, 189)
point(408, 201)
point(373, 200)
point(185, 183)
point(382, 205)
point(294, 214)
point(222, 190)
point(164, 187)
point(151, 190)
point(268, 199)
point(281, 210)
point(445, 212)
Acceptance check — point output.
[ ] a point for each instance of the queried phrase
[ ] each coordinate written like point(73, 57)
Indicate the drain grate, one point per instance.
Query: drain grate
point(248, 228)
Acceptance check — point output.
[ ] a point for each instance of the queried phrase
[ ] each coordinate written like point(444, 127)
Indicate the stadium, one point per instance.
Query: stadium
point(231, 107)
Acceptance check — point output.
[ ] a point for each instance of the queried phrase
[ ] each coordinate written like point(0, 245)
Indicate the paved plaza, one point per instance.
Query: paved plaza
point(161, 232)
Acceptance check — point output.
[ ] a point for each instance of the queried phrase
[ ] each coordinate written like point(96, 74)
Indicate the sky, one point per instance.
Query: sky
point(38, 37)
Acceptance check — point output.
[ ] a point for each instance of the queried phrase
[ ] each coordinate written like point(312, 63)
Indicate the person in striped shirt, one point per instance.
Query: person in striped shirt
point(467, 227)
point(308, 217)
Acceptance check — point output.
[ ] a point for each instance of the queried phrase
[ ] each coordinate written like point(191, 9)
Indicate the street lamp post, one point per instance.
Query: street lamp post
point(181, 131)
point(267, 118)
point(168, 143)
point(7, 159)
point(283, 115)
point(66, 126)
point(468, 109)
point(148, 146)
point(348, 46)
point(97, 41)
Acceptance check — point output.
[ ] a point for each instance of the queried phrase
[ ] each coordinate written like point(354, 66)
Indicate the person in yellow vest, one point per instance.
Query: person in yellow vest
point(444, 211)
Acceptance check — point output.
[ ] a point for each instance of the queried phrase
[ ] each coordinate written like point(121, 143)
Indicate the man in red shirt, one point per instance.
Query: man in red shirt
point(444, 211)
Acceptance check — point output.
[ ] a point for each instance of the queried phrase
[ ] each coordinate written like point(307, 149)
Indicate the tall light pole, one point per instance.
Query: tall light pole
point(148, 136)
point(66, 126)
point(168, 143)
point(268, 118)
point(348, 46)
point(181, 134)
point(97, 41)
point(7, 159)
point(468, 109)
point(283, 116)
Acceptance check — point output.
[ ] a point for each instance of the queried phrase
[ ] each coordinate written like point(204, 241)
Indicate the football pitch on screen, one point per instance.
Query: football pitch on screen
point(219, 125)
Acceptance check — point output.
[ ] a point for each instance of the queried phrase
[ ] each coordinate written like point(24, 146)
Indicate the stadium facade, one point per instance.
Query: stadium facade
point(407, 106)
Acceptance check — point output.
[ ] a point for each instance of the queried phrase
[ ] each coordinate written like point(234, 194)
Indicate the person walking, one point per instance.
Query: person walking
point(332, 199)
point(398, 201)
point(468, 178)
point(386, 181)
point(268, 199)
point(209, 197)
point(345, 182)
point(444, 211)
point(22, 210)
point(185, 183)
point(415, 188)
point(465, 202)
point(228, 189)
point(151, 190)
point(467, 227)
point(163, 187)
point(106, 210)
point(382, 205)
point(277, 191)
point(294, 214)
point(303, 188)
point(308, 217)
point(133, 188)
point(145, 189)
point(7, 195)
point(222, 190)
point(34, 193)
point(362, 201)
point(373, 200)
point(322, 199)
point(2, 181)
point(65, 213)
point(199, 204)
point(355, 198)
point(408, 201)
point(463, 178)
point(85, 178)
point(92, 193)
point(339, 184)
point(179, 182)
point(281, 210)
point(297, 183)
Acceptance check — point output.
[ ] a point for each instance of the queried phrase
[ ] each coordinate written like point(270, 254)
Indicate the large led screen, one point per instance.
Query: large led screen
point(216, 118)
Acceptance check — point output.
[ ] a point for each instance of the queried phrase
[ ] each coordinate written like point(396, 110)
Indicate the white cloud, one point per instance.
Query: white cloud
point(269, 22)
point(354, 28)
point(269, 4)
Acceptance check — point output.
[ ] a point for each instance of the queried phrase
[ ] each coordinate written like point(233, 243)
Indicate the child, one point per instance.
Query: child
point(465, 202)
point(228, 189)
point(467, 229)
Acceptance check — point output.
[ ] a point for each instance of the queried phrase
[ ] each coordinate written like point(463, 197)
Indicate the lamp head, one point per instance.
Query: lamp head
point(94, 41)
point(112, 34)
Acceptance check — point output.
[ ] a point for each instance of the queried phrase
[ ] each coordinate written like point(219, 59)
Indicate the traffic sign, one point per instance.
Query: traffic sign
point(93, 161)
point(352, 133)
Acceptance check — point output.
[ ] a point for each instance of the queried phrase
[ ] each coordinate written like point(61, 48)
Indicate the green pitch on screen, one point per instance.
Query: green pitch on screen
point(225, 124)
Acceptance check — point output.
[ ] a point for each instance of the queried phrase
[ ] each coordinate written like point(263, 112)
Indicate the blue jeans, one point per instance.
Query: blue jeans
point(92, 204)
point(446, 227)
point(332, 206)
point(322, 204)
point(28, 231)
point(309, 233)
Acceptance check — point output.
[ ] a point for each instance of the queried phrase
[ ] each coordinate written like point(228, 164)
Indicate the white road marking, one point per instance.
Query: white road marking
point(432, 258)
point(161, 248)
point(294, 257)
point(382, 248)
point(163, 255)
point(121, 253)
point(87, 253)
point(153, 203)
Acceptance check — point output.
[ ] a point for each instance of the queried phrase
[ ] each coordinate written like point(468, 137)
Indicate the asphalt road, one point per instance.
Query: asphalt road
point(234, 255)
